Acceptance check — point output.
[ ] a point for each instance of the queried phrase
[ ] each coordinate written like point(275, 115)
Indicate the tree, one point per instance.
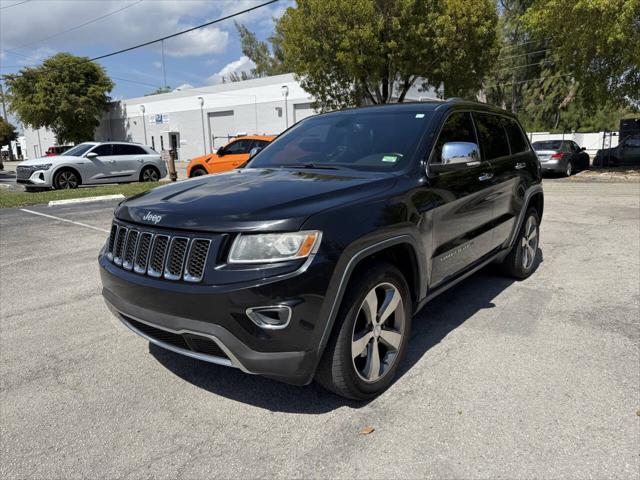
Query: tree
point(66, 94)
point(374, 51)
point(7, 132)
point(269, 60)
point(598, 41)
point(159, 90)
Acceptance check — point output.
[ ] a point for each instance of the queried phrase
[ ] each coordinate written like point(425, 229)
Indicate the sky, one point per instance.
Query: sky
point(32, 30)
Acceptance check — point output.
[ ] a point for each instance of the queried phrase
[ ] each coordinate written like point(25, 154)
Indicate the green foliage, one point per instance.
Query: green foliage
point(269, 60)
point(7, 132)
point(159, 91)
point(66, 94)
point(597, 40)
point(374, 51)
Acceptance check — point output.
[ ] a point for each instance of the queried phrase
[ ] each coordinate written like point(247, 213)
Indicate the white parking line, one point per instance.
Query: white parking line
point(65, 220)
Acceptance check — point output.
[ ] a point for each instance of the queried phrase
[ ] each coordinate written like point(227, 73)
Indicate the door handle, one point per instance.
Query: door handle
point(140, 160)
point(520, 165)
point(112, 161)
point(485, 176)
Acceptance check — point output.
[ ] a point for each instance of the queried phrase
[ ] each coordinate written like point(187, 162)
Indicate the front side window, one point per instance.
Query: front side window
point(103, 150)
point(359, 140)
point(241, 146)
point(79, 150)
point(516, 137)
point(633, 142)
point(457, 128)
point(493, 138)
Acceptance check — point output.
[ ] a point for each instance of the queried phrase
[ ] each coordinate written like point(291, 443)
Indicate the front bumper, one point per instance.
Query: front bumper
point(37, 178)
point(209, 322)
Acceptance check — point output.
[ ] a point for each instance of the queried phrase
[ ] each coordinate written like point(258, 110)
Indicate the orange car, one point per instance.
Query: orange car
point(232, 155)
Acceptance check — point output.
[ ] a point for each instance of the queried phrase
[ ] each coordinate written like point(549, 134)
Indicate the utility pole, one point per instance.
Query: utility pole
point(4, 115)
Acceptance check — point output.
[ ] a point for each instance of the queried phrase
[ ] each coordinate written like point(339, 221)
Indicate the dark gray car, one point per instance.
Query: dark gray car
point(561, 156)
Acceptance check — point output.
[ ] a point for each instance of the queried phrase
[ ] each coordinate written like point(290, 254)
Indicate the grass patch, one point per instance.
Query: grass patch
point(14, 199)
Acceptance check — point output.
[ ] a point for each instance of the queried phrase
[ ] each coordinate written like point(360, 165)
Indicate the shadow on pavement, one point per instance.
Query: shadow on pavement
point(438, 318)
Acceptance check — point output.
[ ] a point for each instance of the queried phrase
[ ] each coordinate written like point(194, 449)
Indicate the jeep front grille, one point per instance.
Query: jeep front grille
point(159, 255)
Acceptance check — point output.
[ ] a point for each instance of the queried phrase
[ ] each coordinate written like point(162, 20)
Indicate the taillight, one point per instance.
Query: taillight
point(557, 156)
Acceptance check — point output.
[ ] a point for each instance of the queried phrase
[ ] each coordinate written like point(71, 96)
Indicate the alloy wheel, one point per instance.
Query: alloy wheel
point(67, 180)
point(150, 175)
point(529, 242)
point(378, 332)
point(569, 169)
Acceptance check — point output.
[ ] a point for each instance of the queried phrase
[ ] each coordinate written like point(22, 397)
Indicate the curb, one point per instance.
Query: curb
point(100, 198)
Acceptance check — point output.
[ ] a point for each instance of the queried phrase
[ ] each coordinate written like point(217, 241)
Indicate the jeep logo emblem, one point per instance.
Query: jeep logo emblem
point(152, 217)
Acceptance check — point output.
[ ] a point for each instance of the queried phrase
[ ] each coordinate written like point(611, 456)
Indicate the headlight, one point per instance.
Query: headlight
point(43, 166)
point(274, 247)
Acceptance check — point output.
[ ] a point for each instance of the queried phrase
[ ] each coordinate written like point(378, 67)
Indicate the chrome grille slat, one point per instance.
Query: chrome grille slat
point(157, 256)
point(149, 251)
point(142, 252)
point(175, 258)
point(119, 246)
point(197, 259)
point(130, 249)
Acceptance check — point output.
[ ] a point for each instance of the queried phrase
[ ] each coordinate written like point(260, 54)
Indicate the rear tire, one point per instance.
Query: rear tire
point(370, 336)
point(523, 258)
point(568, 169)
point(66, 179)
point(149, 174)
point(197, 172)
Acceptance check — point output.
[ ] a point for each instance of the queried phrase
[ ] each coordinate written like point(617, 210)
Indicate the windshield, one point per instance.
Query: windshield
point(79, 150)
point(550, 145)
point(360, 140)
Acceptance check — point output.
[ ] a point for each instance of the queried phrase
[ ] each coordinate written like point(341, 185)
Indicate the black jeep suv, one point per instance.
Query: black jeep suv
point(311, 261)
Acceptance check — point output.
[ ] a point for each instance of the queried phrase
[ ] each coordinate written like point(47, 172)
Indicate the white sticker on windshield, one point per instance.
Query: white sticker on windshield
point(389, 158)
point(419, 115)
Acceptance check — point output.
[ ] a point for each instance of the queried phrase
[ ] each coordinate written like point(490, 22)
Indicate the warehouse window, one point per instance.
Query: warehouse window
point(153, 142)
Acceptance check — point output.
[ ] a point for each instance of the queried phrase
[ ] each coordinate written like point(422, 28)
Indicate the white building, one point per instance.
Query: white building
point(198, 120)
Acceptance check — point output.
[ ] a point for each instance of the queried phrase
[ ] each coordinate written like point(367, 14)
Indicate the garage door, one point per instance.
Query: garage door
point(221, 126)
point(302, 110)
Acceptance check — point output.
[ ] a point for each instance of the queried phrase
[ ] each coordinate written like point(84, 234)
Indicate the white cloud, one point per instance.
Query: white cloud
point(157, 65)
point(243, 64)
point(199, 42)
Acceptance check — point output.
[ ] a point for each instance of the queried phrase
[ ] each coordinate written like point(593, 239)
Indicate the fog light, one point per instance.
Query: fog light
point(272, 317)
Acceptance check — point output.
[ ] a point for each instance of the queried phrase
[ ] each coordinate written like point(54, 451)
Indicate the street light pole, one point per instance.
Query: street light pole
point(144, 124)
point(204, 138)
point(285, 94)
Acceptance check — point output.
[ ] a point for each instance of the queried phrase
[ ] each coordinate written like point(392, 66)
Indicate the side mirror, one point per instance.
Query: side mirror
point(91, 155)
point(582, 149)
point(456, 156)
point(220, 152)
point(254, 151)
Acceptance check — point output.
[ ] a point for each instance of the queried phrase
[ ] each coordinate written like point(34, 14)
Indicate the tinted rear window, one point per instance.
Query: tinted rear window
point(128, 150)
point(516, 137)
point(547, 145)
point(493, 138)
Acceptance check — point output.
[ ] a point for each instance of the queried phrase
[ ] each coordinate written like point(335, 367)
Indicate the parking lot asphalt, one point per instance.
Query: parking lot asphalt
point(503, 379)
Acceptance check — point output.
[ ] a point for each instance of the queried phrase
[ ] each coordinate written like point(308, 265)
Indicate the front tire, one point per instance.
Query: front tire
point(370, 336)
point(198, 172)
point(66, 179)
point(523, 258)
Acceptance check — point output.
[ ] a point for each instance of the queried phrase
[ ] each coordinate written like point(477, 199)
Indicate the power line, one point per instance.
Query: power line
point(527, 43)
point(14, 4)
point(524, 66)
point(78, 26)
point(168, 36)
point(524, 54)
point(530, 80)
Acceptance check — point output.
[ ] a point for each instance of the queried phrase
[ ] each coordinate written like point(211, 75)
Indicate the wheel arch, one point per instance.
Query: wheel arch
point(60, 168)
point(401, 251)
point(147, 165)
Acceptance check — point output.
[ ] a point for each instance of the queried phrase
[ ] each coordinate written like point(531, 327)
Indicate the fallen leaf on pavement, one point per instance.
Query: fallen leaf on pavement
point(367, 430)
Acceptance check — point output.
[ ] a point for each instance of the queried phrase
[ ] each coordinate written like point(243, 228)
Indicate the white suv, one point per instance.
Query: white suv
point(93, 163)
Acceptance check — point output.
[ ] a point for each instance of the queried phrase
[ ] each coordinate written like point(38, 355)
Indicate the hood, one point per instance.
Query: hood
point(250, 199)
point(52, 159)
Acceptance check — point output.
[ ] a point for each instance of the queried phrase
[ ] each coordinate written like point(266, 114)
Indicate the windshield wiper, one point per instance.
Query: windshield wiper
point(313, 165)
